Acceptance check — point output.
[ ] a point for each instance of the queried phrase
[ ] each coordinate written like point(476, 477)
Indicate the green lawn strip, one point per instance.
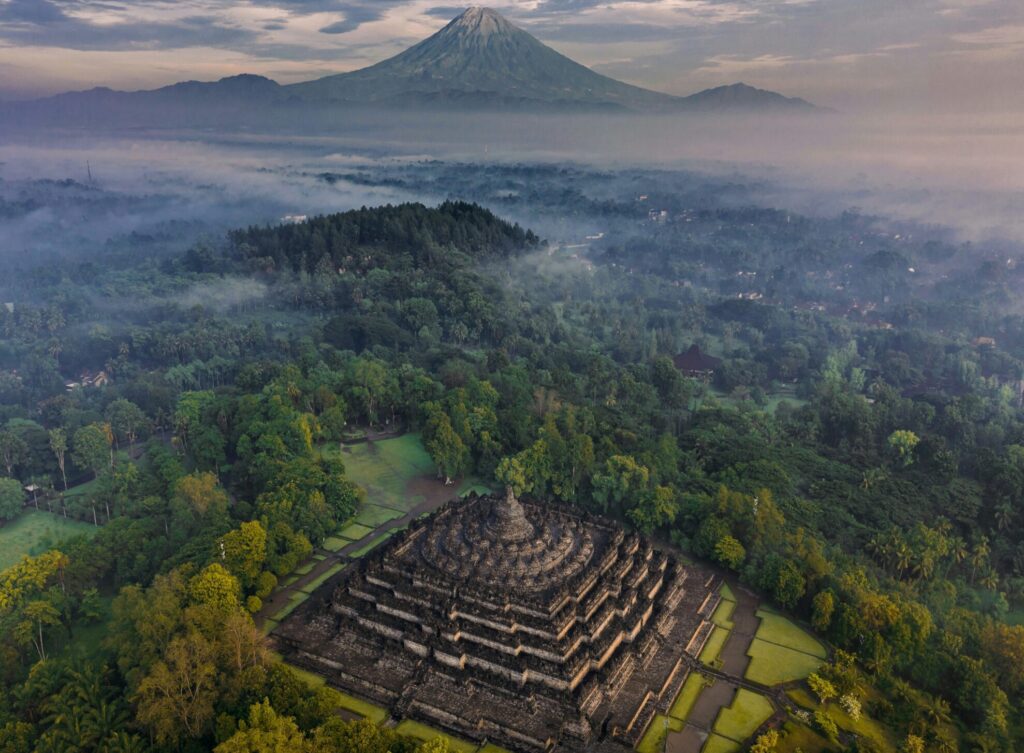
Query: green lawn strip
point(336, 543)
point(470, 485)
point(357, 706)
point(375, 515)
point(355, 532)
point(37, 531)
point(419, 731)
point(371, 545)
point(723, 613)
point(747, 712)
point(653, 740)
point(305, 568)
point(290, 580)
point(319, 557)
point(492, 748)
point(714, 644)
point(296, 598)
point(319, 580)
point(771, 663)
point(802, 697)
point(691, 690)
point(268, 626)
point(726, 593)
point(718, 744)
point(775, 628)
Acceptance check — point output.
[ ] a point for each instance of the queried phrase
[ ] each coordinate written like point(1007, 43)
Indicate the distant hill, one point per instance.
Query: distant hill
point(479, 61)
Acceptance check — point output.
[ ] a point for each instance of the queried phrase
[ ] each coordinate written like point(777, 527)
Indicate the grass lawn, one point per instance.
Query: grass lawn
point(747, 712)
point(369, 547)
point(771, 664)
point(653, 740)
point(385, 468)
point(268, 626)
point(422, 732)
point(688, 694)
point(296, 598)
point(336, 543)
point(719, 744)
point(375, 515)
point(319, 580)
point(34, 532)
point(865, 726)
point(714, 644)
point(723, 614)
point(492, 748)
point(726, 592)
point(355, 532)
point(358, 706)
point(800, 737)
point(775, 628)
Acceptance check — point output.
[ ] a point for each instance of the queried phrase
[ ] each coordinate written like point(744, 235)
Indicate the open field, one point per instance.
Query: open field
point(34, 532)
point(653, 740)
point(385, 468)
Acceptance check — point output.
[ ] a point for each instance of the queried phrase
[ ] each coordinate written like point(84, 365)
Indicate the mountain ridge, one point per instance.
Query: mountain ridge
point(479, 60)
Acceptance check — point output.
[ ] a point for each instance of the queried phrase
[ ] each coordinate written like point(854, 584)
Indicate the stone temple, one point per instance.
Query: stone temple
point(521, 623)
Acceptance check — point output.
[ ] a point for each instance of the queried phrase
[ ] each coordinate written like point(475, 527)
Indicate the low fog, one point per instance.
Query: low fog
point(75, 193)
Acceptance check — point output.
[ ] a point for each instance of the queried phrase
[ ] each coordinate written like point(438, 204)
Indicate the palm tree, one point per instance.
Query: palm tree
point(1004, 515)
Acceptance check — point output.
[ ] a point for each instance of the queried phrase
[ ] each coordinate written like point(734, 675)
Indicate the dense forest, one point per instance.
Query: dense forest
point(857, 455)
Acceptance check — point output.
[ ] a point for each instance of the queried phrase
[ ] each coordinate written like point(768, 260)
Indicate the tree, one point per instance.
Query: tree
point(126, 419)
point(59, 446)
point(823, 607)
point(730, 552)
point(13, 450)
point(766, 743)
point(903, 442)
point(447, 449)
point(176, 698)
point(12, 497)
point(243, 551)
point(91, 448)
point(35, 618)
point(265, 731)
point(200, 494)
point(822, 688)
point(215, 587)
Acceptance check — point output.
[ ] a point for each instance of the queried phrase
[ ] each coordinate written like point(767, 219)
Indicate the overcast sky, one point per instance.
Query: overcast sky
point(948, 55)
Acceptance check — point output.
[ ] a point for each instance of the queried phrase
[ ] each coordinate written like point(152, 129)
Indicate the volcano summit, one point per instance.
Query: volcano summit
point(479, 61)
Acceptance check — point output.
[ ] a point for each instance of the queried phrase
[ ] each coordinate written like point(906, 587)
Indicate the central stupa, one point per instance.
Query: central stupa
point(512, 621)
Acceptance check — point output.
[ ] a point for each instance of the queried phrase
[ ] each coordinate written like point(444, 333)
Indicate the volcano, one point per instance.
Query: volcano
point(481, 57)
point(479, 61)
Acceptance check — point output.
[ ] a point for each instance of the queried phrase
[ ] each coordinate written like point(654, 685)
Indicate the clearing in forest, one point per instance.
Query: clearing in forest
point(37, 531)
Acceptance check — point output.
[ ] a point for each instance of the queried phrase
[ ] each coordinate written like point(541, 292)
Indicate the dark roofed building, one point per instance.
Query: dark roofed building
point(517, 622)
point(696, 364)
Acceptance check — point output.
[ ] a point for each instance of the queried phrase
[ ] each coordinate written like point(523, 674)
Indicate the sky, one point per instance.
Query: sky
point(942, 56)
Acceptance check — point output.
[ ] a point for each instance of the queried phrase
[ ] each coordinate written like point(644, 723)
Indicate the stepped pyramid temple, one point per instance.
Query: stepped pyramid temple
point(525, 624)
